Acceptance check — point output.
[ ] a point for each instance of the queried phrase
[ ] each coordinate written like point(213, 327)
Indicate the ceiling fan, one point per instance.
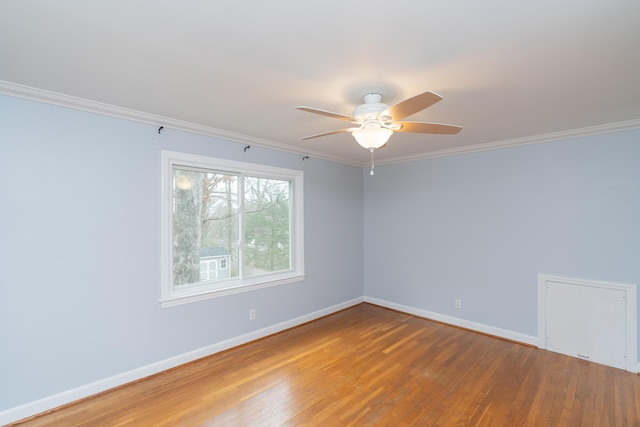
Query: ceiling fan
point(376, 121)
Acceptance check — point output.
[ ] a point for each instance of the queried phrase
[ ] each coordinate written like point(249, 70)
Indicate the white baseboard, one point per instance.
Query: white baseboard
point(478, 327)
point(50, 402)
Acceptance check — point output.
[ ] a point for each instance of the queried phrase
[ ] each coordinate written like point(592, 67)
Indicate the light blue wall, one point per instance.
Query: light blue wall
point(480, 227)
point(80, 240)
point(80, 249)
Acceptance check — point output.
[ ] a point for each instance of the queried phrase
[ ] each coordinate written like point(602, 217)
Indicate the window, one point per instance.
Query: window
point(228, 227)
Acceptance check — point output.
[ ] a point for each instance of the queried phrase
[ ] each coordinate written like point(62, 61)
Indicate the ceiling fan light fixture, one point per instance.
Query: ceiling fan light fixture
point(377, 121)
point(372, 137)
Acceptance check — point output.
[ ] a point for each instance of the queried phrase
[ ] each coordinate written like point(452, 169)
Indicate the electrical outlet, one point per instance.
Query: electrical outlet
point(252, 314)
point(458, 303)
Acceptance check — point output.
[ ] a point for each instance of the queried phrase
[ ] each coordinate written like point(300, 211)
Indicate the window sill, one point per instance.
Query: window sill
point(226, 288)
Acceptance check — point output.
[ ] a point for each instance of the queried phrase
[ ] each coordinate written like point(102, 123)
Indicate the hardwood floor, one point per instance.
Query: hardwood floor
point(369, 366)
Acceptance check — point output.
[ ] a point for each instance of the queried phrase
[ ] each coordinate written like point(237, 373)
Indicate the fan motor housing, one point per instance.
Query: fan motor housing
point(369, 110)
point(371, 107)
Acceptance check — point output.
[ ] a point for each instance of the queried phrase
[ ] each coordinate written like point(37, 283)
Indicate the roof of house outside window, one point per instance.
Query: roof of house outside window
point(210, 251)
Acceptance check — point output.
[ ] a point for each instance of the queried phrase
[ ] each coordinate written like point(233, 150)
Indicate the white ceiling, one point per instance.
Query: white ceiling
point(510, 72)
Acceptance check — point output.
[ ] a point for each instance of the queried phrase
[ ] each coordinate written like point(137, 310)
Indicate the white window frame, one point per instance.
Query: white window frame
point(171, 296)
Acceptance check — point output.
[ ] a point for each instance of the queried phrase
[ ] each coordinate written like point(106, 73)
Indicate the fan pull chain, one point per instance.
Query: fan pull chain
point(372, 162)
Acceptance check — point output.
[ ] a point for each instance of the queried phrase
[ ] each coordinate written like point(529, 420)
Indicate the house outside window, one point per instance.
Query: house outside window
point(228, 227)
point(213, 263)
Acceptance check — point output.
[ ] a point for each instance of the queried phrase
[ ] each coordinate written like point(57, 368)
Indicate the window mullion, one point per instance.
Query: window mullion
point(241, 225)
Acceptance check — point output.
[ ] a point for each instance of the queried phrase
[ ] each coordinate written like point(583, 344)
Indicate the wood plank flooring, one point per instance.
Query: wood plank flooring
point(369, 366)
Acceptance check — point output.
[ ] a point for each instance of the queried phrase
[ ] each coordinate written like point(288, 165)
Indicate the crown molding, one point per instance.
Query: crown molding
point(507, 143)
point(48, 97)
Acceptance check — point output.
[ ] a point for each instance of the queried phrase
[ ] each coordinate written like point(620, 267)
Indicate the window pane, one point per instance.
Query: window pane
point(268, 225)
point(205, 225)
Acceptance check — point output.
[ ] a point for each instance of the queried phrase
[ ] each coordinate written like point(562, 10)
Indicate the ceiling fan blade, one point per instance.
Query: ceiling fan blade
point(422, 127)
point(326, 113)
point(411, 106)
point(329, 133)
